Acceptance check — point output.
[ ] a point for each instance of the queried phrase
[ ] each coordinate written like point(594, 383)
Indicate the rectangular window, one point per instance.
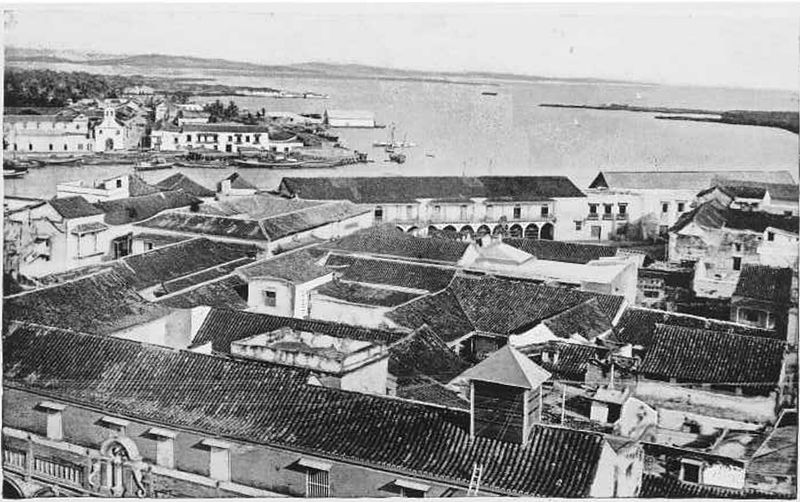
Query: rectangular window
point(649, 293)
point(51, 147)
point(578, 225)
point(607, 208)
point(54, 411)
point(230, 138)
point(269, 298)
point(378, 214)
point(188, 138)
point(770, 236)
point(517, 212)
point(737, 263)
point(593, 208)
point(690, 472)
point(463, 212)
point(247, 139)
point(437, 210)
point(545, 210)
point(665, 207)
point(623, 209)
point(317, 483)
point(409, 212)
point(219, 461)
point(490, 211)
point(165, 446)
point(148, 246)
point(681, 206)
point(737, 246)
point(410, 489)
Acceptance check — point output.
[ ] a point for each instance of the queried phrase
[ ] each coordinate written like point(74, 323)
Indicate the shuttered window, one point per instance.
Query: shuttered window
point(317, 485)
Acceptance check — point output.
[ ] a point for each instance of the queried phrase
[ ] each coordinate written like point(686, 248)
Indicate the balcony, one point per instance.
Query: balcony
point(608, 216)
point(593, 216)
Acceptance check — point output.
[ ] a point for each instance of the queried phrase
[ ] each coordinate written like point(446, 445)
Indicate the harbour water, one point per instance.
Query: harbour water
point(459, 131)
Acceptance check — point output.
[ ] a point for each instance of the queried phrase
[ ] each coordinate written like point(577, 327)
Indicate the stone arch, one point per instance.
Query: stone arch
point(483, 230)
point(11, 489)
point(399, 229)
point(515, 231)
point(467, 231)
point(498, 230)
point(432, 230)
point(412, 230)
point(449, 228)
point(547, 232)
point(532, 231)
point(120, 446)
point(47, 491)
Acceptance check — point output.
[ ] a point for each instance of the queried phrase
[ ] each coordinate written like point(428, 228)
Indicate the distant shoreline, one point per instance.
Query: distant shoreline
point(786, 120)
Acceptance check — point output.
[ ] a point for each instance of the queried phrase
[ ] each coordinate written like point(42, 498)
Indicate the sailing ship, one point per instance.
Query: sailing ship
point(392, 143)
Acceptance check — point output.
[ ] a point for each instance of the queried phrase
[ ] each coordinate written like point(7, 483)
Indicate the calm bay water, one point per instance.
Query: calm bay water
point(459, 131)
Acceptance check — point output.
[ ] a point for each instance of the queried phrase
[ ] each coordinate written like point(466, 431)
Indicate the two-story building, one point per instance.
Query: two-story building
point(60, 132)
point(521, 206)
point(776, 198)
point(657, 199)
point(65, 233)
point(223, 137)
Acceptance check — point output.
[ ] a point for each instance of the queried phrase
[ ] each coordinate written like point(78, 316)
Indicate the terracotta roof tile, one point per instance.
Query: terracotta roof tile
point(570, 252)
point(703, 356)
point(430, 278)
point(262, 404)
point(761, 282)
point(136, 209)
point(180, 181)
point(74, 207)
point(388, 241)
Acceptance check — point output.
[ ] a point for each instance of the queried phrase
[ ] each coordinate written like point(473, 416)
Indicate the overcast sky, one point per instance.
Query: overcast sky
point(741, 46)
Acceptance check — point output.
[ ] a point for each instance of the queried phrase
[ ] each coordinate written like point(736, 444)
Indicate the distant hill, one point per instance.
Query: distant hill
point(311, 69)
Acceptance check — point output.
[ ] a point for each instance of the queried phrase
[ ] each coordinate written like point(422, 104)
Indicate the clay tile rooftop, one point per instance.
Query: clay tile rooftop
point(309, 350)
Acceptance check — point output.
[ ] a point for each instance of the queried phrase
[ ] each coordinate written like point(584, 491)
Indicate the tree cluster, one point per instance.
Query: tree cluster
point(48, 88)
point(221, 113)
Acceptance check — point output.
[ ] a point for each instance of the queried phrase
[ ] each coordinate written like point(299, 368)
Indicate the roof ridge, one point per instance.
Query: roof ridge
point(716, 332)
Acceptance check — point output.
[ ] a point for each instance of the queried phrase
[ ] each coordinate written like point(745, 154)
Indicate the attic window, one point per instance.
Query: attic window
point(770, 236)
point(119, 183)
point(409, 489)
point(115, 424)
point(54, 411)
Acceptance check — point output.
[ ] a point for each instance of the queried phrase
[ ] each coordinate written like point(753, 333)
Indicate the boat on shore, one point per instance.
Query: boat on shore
point(14, 173)
point(397, 157)
point(152, 166)
point(212, 164)
point(54, 161)
point(489, 93)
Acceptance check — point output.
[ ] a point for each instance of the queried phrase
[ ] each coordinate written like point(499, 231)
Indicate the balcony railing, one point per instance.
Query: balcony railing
point(593, 216)
point(15, 458)
point(493, 220)
point(60, 470)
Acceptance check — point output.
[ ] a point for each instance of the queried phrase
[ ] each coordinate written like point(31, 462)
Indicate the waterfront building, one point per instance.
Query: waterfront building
point(223, 137)
point(60, 132)
point(656, 199)
point(112, 134)
point(522, 206)
point(348, 118)
point(117, 187)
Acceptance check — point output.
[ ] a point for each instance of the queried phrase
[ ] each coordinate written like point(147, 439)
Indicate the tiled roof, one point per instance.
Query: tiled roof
point(74, 207)
point(88, 228)
point(135, 209)
point(296, 266)
point(167, 263)
point(224, 127)
point(158, 240)
point(99, 303)
point(681, 180)
point(570, 252)
point(359, 293)
point(180, 181)
point(387, 190)
point(262, 404)
point(427, 390)
point(714, 215)
point(284, 225)
point(138, 187)
point(238, 182)
point(573, 358)
point(206, 275)
point(203, 224)
point(757, 189)
point(585, 319)
point(391, 272)
point(387, 240)
point(670, 487)
point(494, 305)
point(441, 311)
point(255, 206)
point(703, 356)
point(221, 293)
point(424, 353)
point(637, 324)
point(222, 327)
point(761, 282)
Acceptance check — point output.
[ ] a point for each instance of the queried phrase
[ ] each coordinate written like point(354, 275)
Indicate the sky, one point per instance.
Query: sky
point(711, 45)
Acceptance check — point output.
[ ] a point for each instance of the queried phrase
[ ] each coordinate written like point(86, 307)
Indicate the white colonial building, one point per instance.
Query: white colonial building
point(61, 132)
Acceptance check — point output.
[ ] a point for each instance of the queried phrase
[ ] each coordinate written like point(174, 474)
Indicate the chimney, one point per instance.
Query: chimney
point(505, 396)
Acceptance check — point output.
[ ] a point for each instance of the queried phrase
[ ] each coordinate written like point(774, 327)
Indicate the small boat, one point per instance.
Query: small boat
point(489, 93)
point(432, 156)
point(397, 157)
point(153, 166)
point(14, 173)
point(284, 164)
point(57, 161)
point(213, 164)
